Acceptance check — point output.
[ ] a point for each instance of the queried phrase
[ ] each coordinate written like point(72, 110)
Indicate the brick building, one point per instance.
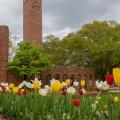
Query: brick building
point(75, 73)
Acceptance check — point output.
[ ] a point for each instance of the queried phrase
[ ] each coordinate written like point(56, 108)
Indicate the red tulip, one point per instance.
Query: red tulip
point(64, 93)
point(18, 83)
point(81, 92)
point(24, 92)
point(76, 102)
point(109, 78)
point(3, 89)
point(19, 92)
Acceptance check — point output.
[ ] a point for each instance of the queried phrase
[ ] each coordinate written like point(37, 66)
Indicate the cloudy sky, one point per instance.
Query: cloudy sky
point(60, 16)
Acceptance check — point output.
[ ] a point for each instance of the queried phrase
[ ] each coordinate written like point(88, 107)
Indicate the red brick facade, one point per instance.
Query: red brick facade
point(32, 21)
point(4, 40)
point(75, 73)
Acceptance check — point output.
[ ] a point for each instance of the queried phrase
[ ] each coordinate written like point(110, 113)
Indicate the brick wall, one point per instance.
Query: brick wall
point(76, 73)
point(4, 40)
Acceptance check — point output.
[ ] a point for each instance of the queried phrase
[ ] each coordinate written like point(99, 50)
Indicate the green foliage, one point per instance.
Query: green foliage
point(29, 60)
point(96, 45)
point(57, 107)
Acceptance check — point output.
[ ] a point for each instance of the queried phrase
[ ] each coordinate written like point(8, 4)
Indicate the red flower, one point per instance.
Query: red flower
point(18, 83)
point(81, 92)
point(24, 92)
point(3, 89)
point(109, 78)
point(19, 92)
point(76, 102)
point(64, 93)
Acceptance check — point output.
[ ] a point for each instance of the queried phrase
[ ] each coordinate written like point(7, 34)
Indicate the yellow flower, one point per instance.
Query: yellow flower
point(15, 90)
point(116, 75)
point(82, 82)
point(11, 86)
point(56, 86)
point(68, 81)
point(116, 99)
point(22, 90)
point(36, 84)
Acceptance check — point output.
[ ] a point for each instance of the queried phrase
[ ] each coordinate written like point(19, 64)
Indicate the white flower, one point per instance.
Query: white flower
point(52, 81)
point(40, 82)
point(24, 82)
point(21, 85)
point(28, 84)
point(4, 84)
point(64, 84)
point(75, 83)
point(71, 90)
point(8, 90)
point(47, 87)
point(43, 92)
point(83, 90)
point(102, 85)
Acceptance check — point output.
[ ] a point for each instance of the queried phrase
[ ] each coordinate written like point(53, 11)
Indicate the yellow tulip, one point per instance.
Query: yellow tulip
point(56, 86)
point(116, 99)
point(36, 84)
point(116, 75)
point(15, 90)
point(68, 81)
point(82, 82)
point(11, 86)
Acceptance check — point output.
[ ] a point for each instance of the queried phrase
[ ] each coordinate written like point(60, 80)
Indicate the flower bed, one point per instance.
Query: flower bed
point(59, 101)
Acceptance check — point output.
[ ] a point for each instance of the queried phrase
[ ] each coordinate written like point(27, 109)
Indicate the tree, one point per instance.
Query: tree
point(96, 45)
point(30, 60)
point(56, 48)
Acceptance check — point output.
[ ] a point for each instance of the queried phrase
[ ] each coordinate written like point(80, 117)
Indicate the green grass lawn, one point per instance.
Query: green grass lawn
point(58, 107)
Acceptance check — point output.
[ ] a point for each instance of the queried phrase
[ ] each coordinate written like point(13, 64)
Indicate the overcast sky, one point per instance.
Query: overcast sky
point(60, 16)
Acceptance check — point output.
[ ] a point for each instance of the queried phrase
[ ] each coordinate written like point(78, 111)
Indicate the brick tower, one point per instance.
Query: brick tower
point(4, 40)
point(32, 21)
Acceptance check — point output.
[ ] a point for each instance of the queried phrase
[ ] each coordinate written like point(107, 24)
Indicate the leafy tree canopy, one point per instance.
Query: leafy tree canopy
point(29, 60)
point(96, 45)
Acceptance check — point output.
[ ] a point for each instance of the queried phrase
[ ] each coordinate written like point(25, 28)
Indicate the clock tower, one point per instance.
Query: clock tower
point(32, 21)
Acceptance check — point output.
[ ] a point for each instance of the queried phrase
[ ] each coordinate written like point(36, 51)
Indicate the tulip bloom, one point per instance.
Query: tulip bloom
point(56, 86)
point(3, 89)
point(19, 92)
point(82, 82)
point(36, 84)
point(116, 75)
point(81, 92)
point(109, 78)
point(68, 81)
point(24, 92)
point(15, 90)
point(11, 86)
point(64, 93)
point(116, 99)
point(76, 102)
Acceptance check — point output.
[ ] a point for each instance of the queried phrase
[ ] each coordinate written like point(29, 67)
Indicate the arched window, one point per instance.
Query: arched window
point(57, 76)
point(78, 77)
point(48, 78)
point(65, 77)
